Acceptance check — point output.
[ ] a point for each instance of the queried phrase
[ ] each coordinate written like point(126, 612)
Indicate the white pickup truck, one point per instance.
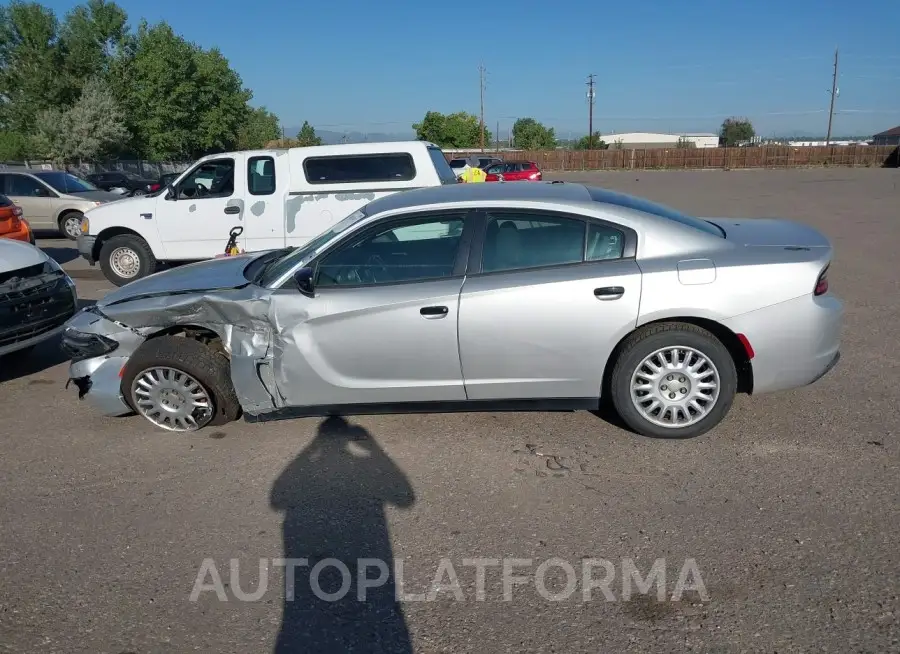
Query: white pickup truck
point(278, 197)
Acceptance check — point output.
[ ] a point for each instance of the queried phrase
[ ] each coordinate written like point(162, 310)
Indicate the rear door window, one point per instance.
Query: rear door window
point(516, 240)
point(261, 175)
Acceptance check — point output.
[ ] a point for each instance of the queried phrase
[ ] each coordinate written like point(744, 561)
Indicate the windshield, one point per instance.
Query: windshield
point(278, 267)
point(65, 183)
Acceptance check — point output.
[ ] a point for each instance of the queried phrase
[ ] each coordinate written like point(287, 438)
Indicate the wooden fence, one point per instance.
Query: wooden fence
point(699, 158)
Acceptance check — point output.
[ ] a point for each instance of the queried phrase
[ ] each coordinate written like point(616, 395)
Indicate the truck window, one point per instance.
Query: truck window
point(261, 175)
point(212, 179)
point(387, 167)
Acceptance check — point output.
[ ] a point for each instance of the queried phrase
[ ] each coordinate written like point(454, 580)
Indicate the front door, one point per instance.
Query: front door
point(553, 298)
point(32, 196)
point(208, 202)
point(382, 327)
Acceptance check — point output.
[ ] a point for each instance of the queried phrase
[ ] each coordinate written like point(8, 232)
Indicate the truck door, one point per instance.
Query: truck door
point(268, 179)
point(194, 222)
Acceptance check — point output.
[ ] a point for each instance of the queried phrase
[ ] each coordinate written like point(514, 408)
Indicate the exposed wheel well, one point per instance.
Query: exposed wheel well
point(107, 234)
point(202, 334)
point(727, 337)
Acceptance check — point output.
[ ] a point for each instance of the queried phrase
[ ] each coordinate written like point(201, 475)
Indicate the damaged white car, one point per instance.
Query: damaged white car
point(474, 297)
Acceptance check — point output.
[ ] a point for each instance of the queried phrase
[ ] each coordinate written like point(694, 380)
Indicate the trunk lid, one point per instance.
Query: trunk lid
point(770, 232)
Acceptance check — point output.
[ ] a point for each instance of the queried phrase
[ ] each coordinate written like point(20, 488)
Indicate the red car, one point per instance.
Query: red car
point(513, 171)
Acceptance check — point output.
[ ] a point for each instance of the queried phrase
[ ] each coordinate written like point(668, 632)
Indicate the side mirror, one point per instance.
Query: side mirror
point(304, 280)
point(170, 192)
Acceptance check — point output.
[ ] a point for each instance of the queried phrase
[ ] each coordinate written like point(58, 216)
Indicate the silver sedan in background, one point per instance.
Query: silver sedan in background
point(476, 297)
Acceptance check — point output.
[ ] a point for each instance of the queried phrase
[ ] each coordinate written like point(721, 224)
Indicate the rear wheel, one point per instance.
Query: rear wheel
point(125, 258)
point(673, 380)
point(179, 384)
point(70, 224)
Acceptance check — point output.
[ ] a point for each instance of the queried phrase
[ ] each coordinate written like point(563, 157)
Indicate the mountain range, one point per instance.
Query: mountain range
point(330, 137)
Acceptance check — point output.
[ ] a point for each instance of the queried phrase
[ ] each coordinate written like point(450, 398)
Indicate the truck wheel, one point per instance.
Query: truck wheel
point(70, 224)
point(126, 258)
point(180, 384)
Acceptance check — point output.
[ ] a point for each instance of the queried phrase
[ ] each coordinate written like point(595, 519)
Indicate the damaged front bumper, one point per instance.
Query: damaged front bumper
point(98, 381)
point(98, 376)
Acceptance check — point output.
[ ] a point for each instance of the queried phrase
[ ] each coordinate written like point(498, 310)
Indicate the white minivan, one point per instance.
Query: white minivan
point(279, 198)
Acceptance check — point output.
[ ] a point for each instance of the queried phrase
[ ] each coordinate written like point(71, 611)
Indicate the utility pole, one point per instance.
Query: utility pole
point(497, 137)
point(590, 95)
point(481, 72)
point(834, 92)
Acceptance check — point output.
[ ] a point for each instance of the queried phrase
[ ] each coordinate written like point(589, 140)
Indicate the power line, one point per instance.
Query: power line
point(834, 92)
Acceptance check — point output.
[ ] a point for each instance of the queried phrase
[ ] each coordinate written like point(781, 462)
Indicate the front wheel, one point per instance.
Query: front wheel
point(70, 224)
point(673, 380)
point(180, 384)
point(126, 258)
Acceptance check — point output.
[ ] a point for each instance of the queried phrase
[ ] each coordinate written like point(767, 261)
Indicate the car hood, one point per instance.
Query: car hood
point(215, 274)
point(17, 254)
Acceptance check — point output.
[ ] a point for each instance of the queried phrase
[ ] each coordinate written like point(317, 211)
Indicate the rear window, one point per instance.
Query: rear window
point(444, 171)
point(638, 204)
point(5, 201)
point(347, 169)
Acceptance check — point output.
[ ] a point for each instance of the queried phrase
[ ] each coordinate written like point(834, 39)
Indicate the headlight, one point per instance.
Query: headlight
point(78, 345)
point(85, 225)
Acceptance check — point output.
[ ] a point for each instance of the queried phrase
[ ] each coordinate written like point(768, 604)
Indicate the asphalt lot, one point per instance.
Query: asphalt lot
point(789, 509)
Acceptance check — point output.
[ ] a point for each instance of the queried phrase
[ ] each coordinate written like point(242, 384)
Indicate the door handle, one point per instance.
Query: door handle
point(434, 312)
point(609, 292)
point(232, 210)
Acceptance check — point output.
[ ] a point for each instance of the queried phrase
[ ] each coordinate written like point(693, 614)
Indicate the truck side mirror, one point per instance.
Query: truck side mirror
point(304, 280)
point(171, 193)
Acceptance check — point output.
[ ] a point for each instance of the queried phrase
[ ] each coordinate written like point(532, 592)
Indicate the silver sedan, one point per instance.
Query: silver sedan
point(476, 297)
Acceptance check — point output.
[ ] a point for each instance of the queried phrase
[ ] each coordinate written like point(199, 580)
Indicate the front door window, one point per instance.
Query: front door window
point(212, 179)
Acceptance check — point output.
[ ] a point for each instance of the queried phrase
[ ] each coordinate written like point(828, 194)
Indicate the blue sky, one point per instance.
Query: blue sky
point(661, 65)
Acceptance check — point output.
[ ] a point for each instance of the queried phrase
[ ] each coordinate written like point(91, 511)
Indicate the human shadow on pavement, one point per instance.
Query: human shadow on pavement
point(333, 496)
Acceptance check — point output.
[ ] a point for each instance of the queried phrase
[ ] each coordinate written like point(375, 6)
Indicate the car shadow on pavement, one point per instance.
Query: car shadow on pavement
point(333, 496)
point(37, 359)
point(61, 255)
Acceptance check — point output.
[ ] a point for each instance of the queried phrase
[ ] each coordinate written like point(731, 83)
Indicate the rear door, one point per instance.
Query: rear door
point(382, 327)
point(546, 299)
point(267, 182)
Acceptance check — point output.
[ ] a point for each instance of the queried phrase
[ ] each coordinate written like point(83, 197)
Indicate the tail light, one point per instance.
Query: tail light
point(822, 283)
point(154, 187)
point(535, 176)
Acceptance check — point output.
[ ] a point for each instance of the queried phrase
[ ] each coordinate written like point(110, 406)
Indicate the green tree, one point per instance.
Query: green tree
point(684, 143)
point(599, 143)
point(92, 127)
point(31, 61)
point(458, 130)
point(307, 135)
point(13, 146)
point(221, 103)
point(259, 128)
point(736, 130)
point(529, 134)
point(93, 35)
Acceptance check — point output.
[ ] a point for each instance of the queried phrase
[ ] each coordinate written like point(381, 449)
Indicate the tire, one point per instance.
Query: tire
point(68, 220)
point(650, 340)
point(136, 193)
point(124, 248)
point(210, 369)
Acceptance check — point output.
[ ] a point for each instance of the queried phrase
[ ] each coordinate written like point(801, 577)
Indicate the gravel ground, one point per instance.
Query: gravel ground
point(786, 515)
